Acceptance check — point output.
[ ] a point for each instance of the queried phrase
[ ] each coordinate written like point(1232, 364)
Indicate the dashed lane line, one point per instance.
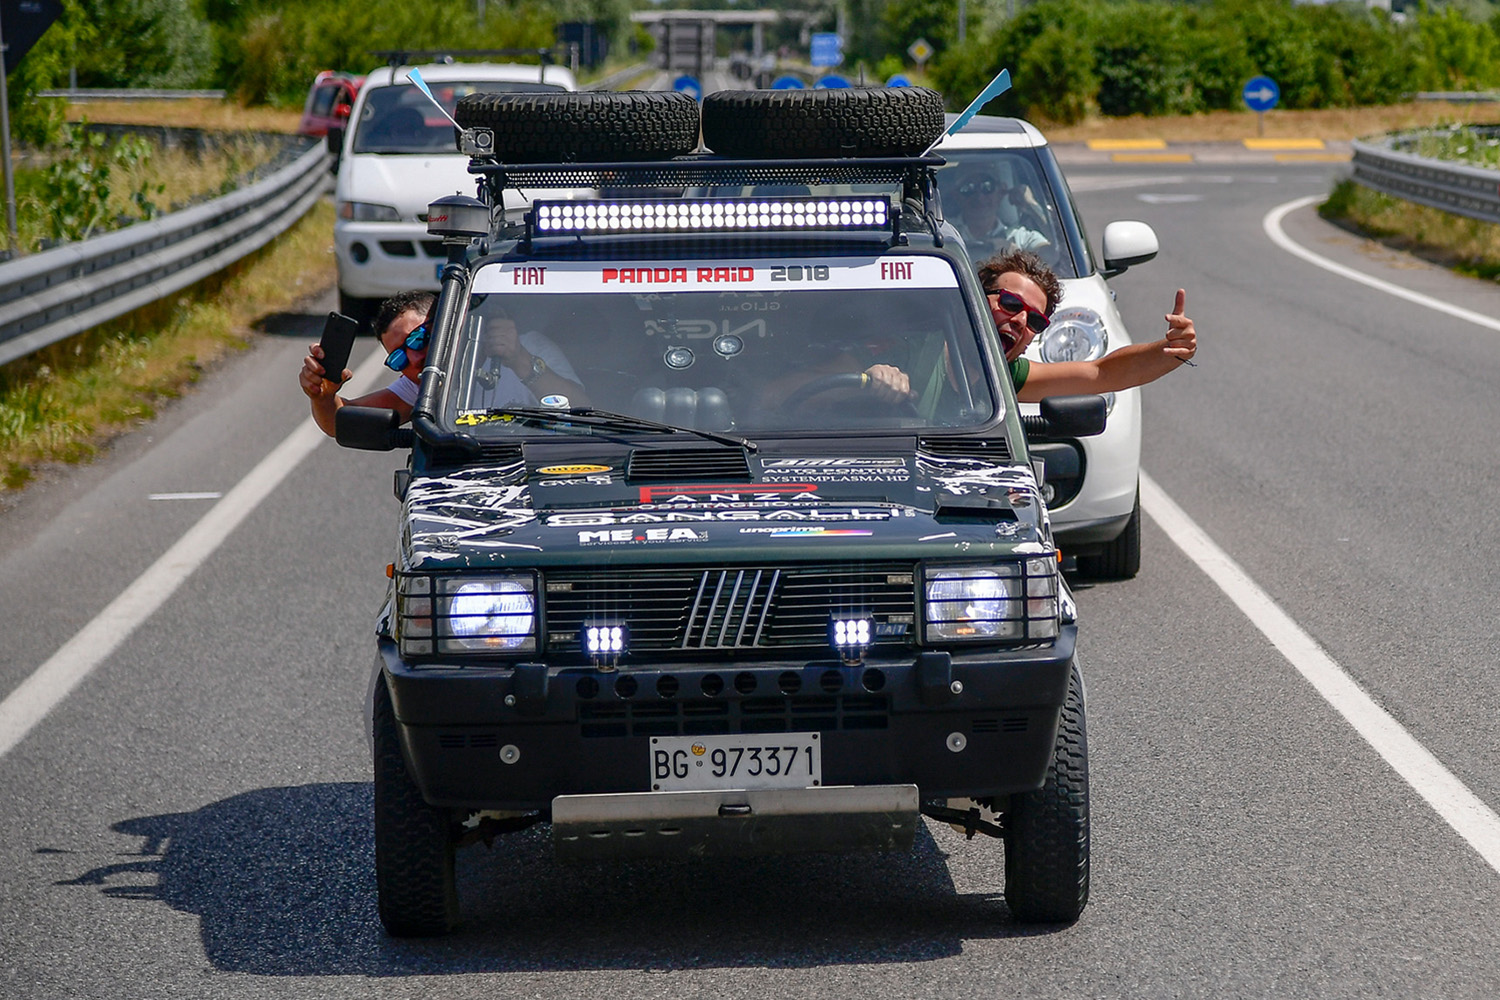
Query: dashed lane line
point(54, 680)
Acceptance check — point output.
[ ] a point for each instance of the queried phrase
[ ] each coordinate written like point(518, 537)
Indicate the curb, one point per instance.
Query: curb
point(1258, 150)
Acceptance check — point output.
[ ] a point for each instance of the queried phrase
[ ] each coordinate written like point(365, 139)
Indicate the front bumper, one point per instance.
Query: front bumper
point(762, 821)
point(515, 738)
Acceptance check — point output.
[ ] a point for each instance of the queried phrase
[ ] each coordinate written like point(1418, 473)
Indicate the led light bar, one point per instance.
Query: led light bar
point(604, 642)
point(850, 635)
point(709, 215)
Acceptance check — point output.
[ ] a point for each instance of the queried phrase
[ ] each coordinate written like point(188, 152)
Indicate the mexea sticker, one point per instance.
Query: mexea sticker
point(571, 470)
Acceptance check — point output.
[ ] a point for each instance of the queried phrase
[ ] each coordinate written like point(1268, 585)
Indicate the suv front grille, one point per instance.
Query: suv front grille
point(752, 607)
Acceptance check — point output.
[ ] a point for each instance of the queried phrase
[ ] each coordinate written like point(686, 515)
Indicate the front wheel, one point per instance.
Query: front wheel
point(1120, 559)
point(1047, 831)
point(414, 877)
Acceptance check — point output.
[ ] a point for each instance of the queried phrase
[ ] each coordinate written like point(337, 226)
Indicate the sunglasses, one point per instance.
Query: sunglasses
point(1012, 303)
point(398, 359)
point(984, 186)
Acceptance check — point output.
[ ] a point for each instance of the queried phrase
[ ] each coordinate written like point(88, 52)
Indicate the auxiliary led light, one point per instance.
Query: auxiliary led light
point(851, 635)
point(604, 642)
point(565, 218)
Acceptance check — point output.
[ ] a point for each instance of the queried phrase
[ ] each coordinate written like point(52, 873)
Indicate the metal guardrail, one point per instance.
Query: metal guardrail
point(55, 294)
point(615, 79)
point(1453, 187)
point(82, 94)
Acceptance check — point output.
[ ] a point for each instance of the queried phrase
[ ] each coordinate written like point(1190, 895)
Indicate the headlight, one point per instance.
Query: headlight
point(363, 211)
point(1076, 334)
point(1011, 601)
point(446, 615)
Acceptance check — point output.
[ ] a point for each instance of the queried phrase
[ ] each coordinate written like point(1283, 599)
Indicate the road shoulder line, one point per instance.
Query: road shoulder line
point(1449, 797)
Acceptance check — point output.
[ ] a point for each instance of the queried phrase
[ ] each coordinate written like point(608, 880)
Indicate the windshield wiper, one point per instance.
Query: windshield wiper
point(592, 417)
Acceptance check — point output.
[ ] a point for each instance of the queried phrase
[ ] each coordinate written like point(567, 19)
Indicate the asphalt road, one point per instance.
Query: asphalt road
point(192, 819)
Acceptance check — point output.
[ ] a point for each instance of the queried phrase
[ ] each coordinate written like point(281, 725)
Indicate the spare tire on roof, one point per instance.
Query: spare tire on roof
point(584, 127)
point(854, 121)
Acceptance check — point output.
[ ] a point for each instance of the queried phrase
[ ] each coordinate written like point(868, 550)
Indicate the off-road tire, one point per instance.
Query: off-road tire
point(1121, 558)
point(584, 127)
point(1047, 831)
point(414, 878)
point(855, 121)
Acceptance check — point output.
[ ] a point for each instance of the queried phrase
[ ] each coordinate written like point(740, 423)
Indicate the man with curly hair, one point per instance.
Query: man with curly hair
point(1023, 292)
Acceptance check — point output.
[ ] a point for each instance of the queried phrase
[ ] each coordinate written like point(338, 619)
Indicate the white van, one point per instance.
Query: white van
point(398, 154)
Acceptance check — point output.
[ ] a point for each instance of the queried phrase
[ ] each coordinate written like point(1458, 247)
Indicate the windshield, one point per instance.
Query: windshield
point(741, 346)
point(400, 118)
point(999, 200)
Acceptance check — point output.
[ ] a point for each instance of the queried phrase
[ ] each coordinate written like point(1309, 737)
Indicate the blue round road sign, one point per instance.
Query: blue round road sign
point(1261, 93)
point(899, 80)
point(831, 82)
point(787, 83)
point(689, 85)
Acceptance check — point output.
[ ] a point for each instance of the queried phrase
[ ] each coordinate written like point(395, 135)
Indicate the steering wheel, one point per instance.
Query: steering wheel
point(843, 380)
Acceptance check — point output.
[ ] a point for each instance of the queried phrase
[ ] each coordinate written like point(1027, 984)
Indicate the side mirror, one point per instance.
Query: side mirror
point(335, 141)
point(1060, 417)
point(1127, 244)
point(370, 428)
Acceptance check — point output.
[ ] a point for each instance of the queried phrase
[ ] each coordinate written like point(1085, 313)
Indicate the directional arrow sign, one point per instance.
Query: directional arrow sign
point(1261, 93)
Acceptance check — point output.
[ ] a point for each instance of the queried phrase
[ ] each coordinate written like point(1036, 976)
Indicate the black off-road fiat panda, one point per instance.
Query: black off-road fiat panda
point(719, 531)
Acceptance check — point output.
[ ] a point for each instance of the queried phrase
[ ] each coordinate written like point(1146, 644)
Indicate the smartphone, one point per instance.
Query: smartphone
point(338, 340)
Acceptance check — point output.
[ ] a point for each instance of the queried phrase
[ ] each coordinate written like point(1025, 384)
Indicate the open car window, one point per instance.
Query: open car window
point(400, 118)
point(743, 346)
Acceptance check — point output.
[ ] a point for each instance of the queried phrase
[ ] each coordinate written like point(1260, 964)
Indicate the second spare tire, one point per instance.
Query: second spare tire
point(855, 121)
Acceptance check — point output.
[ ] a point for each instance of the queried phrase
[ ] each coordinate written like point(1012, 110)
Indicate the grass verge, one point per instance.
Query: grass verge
point(64, 402)
point(1453, 241)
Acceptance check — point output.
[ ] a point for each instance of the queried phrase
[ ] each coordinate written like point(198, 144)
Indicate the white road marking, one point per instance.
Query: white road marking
point(1449, 797)
point(54, 680)
point(1272, 225)
point(184, 496)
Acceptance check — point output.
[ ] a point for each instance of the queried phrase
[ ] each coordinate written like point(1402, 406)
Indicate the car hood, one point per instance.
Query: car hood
point(407, 181)
point(536, 511)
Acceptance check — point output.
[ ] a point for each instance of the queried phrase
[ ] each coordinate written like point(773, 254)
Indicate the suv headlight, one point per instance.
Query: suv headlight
point(363, 211)
point(1076, 334)
point(1011, 601)
point(448, 615)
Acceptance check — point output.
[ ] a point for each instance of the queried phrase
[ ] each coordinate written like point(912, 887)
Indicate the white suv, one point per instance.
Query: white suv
point(397, 155)
point(1001, 188)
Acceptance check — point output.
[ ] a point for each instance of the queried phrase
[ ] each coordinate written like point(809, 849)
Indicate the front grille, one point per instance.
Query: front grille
point(398, 248)
point(753, 607)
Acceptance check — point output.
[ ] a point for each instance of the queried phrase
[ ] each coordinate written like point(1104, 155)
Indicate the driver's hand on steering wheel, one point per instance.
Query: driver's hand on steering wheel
point(888, 383)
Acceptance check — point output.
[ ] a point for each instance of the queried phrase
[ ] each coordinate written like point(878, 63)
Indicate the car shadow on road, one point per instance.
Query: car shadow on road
point(282, 881)
point(305, 325)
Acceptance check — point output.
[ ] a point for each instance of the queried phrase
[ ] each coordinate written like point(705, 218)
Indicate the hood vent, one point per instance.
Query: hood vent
point(989, 449)
point(688, 463)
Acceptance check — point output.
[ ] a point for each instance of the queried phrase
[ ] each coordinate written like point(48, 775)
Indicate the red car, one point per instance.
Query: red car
point(328, 102)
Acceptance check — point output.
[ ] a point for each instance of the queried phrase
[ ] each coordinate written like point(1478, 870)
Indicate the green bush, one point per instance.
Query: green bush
point(1144, 61)
point(1055, 76)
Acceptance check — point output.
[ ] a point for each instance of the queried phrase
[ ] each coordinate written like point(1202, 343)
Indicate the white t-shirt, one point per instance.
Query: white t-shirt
point(508, 389)
point(405, 389)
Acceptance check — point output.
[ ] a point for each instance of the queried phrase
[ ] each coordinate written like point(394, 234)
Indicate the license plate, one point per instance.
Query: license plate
point(699, 763)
